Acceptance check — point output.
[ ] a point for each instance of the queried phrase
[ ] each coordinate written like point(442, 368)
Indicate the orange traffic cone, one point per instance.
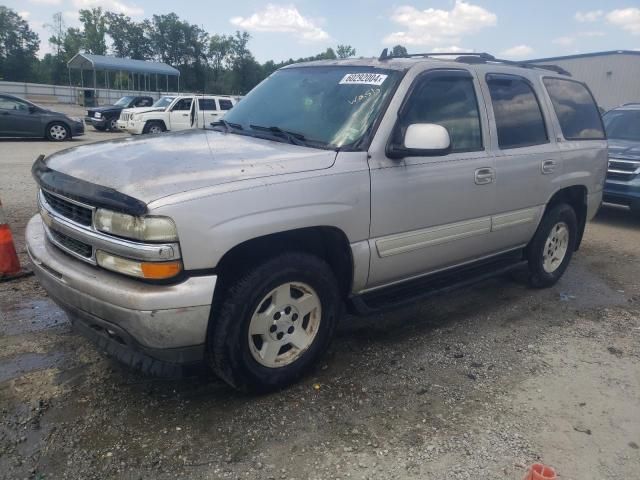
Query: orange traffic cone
point(9, 263)
point(538, 471)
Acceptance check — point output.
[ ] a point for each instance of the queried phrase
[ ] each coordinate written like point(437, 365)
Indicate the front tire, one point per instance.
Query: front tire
point(58, 132)
point(274, 323)
point(552, 247)
point(153, 127)
point(112, 124)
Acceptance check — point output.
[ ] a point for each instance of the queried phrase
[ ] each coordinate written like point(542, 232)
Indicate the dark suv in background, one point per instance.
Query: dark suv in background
point(106, 117)
point(623, 177)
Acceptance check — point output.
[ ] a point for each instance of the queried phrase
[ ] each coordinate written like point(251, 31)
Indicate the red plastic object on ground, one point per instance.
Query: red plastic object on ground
point(538, 471)
point(9, 263)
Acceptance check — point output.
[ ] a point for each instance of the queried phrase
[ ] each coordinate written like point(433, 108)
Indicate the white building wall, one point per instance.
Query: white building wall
point(614, 78)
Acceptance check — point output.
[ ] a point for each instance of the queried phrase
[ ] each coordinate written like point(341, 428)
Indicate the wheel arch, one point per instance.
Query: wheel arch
point(155, 120)
point(327, 242)
point(576, 197)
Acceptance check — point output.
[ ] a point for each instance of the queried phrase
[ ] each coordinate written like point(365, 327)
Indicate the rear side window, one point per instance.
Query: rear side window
point(447, 99)
point(207, 104)
point(576, 110)
point(225, 104)
point(518, 115)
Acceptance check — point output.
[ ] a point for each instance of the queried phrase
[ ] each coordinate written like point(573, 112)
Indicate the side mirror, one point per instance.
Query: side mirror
point(422, 140)
point(32, 109)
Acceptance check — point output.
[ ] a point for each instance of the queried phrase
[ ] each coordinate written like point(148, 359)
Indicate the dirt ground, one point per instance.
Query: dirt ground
point(475, 384)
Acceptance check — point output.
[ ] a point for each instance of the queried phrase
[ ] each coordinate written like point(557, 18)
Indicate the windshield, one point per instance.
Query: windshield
point(623, 124)
point(124, 101)
point(163, 102)
point(327, 107)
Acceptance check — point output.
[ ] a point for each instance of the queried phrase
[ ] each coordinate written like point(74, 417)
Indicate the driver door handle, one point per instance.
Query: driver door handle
point(485, 176)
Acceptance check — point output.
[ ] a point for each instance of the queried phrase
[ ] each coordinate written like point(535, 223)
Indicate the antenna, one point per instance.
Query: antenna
point(384, 55)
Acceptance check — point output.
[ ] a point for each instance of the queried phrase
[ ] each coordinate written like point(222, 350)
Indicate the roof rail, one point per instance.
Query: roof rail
point(474, 57)
point(628, 104)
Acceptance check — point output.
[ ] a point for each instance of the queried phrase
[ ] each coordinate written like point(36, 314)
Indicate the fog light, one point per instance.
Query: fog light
point(134, 268)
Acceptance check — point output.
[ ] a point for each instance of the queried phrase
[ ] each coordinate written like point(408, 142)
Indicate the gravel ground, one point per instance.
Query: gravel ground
point(475, 384)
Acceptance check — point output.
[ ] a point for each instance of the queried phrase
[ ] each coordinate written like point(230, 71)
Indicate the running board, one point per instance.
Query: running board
point(412, 291)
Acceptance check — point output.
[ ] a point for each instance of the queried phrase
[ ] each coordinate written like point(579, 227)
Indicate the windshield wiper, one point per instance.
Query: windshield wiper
point(292, 137)
point(227, 125)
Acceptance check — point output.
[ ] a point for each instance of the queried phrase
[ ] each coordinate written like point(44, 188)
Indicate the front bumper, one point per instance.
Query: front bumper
point(96, 122)
point(77, 129)
point(622, 192)
point(139, 323)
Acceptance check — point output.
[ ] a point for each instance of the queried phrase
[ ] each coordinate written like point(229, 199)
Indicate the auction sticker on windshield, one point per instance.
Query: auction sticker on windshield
point(363, 79)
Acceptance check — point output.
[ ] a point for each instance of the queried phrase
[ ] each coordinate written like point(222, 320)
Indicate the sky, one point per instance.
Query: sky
point(515, 29)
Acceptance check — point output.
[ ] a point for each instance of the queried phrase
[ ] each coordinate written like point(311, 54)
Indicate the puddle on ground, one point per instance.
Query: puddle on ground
point(32, 316)
point(18, 365)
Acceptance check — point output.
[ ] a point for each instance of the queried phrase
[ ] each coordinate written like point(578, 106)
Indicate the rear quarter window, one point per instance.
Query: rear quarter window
point(576, 109)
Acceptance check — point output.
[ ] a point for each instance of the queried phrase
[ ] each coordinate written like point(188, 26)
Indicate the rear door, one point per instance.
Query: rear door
point(225, 104)
point(180, 116)
point(527, 158)
point(207, 112)
point(16, 120)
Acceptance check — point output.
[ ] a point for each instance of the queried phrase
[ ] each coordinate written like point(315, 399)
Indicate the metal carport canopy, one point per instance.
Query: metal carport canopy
point(87, 61)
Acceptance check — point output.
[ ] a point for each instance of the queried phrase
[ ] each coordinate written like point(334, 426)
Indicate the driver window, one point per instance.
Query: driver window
point(447, 99)
point(183, 104)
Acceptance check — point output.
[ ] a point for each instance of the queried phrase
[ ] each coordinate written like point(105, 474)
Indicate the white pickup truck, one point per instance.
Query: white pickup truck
point(184, 112)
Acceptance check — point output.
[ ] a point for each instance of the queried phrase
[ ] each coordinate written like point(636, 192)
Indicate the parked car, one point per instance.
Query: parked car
point(623, 177)
point(160, 105)
point(370, 183)
point(106, 117)
point(22, 118)
point(185, 112)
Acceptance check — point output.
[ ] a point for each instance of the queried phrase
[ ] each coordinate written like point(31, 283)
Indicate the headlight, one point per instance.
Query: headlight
point(134, 268)
point(77, 119)
point(98, 115)
point(145, 229)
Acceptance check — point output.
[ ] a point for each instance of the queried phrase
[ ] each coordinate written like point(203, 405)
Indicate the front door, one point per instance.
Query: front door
point(182, 115)
point(17, 120)
point(431, 212)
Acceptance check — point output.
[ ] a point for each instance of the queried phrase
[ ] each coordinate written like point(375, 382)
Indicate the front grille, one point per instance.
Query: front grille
point(91, 114)
point(72, 244)
point(620, 169)
point(70, 210)
point(124, 117)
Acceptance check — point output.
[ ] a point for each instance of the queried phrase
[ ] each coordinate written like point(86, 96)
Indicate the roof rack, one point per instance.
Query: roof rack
point(474, 57)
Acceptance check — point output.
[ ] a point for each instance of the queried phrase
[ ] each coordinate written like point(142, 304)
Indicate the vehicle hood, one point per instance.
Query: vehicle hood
point(152, 167)
point(105, 108)
point(144, 109)
point(626, 149)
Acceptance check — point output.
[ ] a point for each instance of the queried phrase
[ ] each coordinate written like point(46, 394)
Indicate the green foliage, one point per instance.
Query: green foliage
point(399, 51)
point(213, 63)
point(94, 24)
point(18, 46)
point(345, 51)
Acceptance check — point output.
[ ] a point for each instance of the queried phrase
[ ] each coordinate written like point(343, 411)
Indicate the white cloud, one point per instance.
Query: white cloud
point(627, 18)
point(111, 5)
point(519, 51)
point(452, 49)
point(282, 18)
point(24, 15)
point(587, 17)
point(436, 27)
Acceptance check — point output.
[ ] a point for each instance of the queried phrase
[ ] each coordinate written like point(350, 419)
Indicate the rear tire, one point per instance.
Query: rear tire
point(552, 247)
point(58, 132)
point(635, 209)
point(153, 127)
point(274, 322)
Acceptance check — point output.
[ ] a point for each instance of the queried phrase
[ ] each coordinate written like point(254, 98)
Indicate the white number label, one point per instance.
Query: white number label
point(363, 79)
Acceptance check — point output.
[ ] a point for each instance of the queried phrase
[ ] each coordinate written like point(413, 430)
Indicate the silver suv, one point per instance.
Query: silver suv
point(365, 183)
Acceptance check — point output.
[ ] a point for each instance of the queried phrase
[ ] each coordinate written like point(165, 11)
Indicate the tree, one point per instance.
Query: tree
point(399, 51)
point(220, 47)
point(345, 51)
point(94, 24)
point(18, 47)
point(127, 36)
point(247, 73)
